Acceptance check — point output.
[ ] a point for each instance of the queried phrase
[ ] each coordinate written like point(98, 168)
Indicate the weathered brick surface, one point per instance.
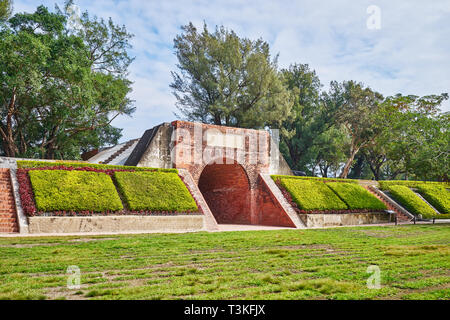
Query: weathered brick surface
point(231, 186)
point(8, 216)
point(226, 189)
point(271, 212)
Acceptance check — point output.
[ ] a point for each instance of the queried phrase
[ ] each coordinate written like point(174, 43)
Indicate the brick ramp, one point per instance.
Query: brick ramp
point(8, 215)
point(210, 221)
point(281, 201)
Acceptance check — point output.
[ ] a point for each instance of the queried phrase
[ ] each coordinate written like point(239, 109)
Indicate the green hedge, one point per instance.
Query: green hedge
point(355, 196)
point(437, 195)
point(385, 184)
point(276, 177)
point(63, 190)
point(411, 201)
point(155, 191)
point(40, 164)
point(312, 195)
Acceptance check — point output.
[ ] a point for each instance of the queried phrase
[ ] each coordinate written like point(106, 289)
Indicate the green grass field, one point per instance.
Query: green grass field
point(284, 264)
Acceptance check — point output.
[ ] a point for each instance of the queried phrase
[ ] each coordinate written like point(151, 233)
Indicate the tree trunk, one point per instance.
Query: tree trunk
point(348, 164)
point(9, 145)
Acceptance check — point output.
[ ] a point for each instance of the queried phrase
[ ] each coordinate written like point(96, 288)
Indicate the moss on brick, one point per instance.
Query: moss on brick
point(62, 190)
point(155, 191)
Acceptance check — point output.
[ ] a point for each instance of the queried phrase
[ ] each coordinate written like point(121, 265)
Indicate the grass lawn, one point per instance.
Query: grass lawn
point(282, 264)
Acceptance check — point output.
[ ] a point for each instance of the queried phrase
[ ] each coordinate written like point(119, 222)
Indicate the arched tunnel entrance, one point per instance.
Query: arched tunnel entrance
point(226, 189)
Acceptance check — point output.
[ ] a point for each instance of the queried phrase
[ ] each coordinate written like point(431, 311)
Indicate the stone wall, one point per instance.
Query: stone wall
point(318, 220)
point(107, 224)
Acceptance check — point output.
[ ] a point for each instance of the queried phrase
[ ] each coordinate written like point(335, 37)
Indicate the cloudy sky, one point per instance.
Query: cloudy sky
point(409, 53)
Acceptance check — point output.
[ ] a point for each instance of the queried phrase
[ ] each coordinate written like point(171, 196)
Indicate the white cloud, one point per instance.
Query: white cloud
point(410, 54)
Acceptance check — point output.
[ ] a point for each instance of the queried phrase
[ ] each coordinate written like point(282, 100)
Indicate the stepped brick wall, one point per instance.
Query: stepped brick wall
point(401, 217)
point(8, 215)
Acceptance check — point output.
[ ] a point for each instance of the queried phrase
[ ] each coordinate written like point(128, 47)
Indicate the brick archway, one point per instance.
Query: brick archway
point(226, 189)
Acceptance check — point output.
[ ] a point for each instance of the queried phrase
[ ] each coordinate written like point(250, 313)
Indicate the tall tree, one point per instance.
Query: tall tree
point(60, 88)
point(357, 107)
point(330, 150)
point(414, 141)
point(6, 7)
point(301, 134)
point(227, 80)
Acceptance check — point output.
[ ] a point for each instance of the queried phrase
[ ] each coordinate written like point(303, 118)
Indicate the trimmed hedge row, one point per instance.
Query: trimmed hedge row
point(62, 190)
point(385, 184)
point(312, 195)
point(437, 195)
point(46, 192)
point(413, 203)
point(276, 177)
point(155, 191)
point(23, 164)
point(356, 197)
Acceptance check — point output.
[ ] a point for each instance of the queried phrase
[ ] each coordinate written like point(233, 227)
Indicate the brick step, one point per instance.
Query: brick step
point(401, 217)
point(8, 216)
point(8, 225)
point(7, 201)
point(8, 230)
point(11, 221)
point(8, 211)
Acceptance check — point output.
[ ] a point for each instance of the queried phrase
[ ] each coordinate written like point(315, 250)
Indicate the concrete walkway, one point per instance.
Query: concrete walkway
point(222, 228)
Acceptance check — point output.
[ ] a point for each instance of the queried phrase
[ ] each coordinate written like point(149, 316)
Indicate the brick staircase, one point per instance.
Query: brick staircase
point(401, 216)
point(118, 152)
point(8, 215)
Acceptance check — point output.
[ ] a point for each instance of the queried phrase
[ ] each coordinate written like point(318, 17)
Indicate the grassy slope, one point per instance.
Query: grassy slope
point(412, 202)
point(356, 197)
point(312, 195)
point(437, 196)
point(155, 191)
point(281, 264)
point(74, 190)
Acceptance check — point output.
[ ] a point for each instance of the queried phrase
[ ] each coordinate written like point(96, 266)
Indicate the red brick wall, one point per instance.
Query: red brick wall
point(8, 215)
point(226, 189)
point(234, 192)
point(270, 211)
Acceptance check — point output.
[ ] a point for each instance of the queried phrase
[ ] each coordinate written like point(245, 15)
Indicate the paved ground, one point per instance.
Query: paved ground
point(222, 228)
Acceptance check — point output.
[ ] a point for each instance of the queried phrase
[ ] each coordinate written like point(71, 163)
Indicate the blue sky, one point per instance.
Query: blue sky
point(409, 54)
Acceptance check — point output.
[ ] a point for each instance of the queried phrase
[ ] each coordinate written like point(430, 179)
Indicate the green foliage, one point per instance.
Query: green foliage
point(385, 184)
point(276, 177)
point(411, 201)
point(414, 142)
point(155, 191)
point(437, 195)
point(5, 9)
point(312, 195)
point(42, 164)
point(228, 80)
point(355, 196)
point(62, 190)
point(61, 87)
point(357, 107)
